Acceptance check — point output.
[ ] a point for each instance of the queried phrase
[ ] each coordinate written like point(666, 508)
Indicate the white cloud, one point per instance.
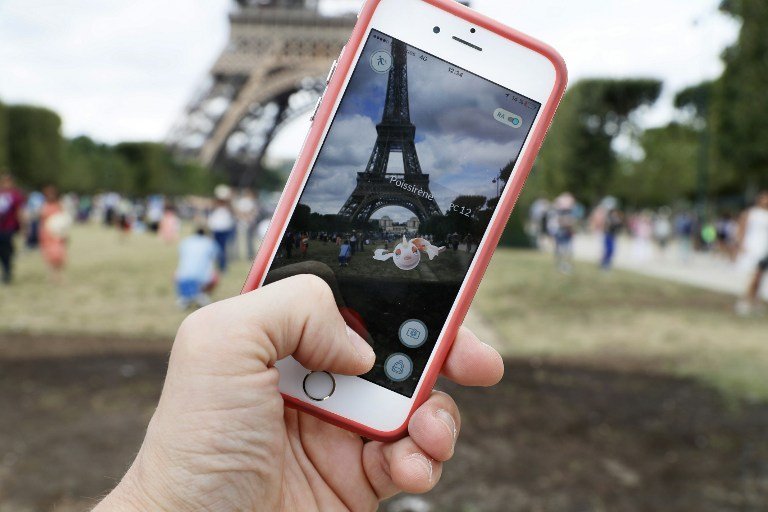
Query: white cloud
point(113, 69)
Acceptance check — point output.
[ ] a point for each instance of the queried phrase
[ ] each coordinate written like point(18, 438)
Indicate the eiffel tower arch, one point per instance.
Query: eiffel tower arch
point(272, 70)
point(376, 187)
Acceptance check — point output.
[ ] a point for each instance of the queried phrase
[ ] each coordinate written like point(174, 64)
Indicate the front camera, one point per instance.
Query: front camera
point(436, 30)
point(473, 30)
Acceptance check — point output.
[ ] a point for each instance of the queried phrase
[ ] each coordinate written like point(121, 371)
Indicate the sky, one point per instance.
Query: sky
point(459, 143)
point(118, 70)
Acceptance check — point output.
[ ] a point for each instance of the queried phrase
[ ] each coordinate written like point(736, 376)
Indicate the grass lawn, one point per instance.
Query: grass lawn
point(623, 318)
point(114, 286)
point(125, 288)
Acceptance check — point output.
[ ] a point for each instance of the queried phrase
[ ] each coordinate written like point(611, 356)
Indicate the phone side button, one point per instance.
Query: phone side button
point(331, 71)
point(317, 107)
point(319, 386)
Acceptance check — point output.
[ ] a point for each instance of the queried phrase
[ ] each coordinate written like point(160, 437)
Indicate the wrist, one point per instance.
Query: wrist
point(132, 494)
point(124, 498)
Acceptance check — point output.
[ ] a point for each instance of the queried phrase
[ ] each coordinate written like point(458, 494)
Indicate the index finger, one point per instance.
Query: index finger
point(472, 362)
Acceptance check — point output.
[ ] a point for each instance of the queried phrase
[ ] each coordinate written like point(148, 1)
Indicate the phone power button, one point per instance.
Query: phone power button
point(319, 386)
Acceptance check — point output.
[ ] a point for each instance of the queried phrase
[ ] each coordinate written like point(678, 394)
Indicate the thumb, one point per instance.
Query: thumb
point(296, 316)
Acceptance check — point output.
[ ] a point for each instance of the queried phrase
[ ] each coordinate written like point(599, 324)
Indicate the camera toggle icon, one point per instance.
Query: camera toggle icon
point(508, 118)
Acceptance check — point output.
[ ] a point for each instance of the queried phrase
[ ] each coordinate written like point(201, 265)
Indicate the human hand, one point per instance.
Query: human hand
point(222, 440)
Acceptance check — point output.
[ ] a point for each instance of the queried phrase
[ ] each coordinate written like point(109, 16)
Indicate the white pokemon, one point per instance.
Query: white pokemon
point(407, 254)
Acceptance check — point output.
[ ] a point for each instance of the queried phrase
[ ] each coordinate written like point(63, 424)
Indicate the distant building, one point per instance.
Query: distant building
point(385, 223)
point(413, 225)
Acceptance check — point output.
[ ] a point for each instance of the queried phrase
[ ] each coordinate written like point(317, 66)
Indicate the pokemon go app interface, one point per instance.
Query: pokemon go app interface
point(400, 196)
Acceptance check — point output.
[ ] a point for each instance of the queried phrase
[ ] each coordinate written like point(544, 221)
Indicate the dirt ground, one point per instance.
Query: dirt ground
point(552, 437)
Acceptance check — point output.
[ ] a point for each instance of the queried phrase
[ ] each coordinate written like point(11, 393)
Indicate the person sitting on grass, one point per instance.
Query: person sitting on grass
point(196, 275)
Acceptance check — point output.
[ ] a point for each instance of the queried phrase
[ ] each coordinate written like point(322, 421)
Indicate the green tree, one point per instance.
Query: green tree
point(578, 155)
point(301, 218)
point(740, 102)
point(92, 166)
point(154, 170)
point(465, 214)
point(35, 145)
point(666, 173)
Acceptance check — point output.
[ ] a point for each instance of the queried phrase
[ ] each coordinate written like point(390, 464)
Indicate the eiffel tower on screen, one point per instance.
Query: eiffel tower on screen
point(376, 187)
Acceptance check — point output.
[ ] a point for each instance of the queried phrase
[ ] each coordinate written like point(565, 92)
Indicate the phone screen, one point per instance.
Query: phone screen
point(400, 196)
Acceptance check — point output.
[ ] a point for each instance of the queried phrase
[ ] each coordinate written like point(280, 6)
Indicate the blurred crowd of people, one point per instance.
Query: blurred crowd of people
point(741, 239)
point(231, 223)
point(228, 225)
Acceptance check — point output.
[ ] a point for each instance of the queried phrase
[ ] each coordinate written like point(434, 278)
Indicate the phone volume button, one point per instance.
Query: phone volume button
point(331, 72)
point(317, 107)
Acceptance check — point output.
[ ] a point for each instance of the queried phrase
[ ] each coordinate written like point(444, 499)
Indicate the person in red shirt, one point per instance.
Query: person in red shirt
point(11, 202)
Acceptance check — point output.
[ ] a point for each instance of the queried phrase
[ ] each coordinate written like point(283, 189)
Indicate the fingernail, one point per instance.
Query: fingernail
point(424, 463)
point(362, 347)
point(447, 419)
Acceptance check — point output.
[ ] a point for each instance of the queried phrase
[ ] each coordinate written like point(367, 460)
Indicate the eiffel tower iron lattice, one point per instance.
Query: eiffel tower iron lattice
point(272, 71)
point(377, 188)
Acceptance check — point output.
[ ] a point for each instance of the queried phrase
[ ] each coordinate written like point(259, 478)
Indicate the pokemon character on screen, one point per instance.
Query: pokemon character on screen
point(407, 253)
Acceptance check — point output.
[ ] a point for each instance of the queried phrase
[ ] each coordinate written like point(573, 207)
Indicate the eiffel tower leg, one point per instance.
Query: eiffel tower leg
point(252, 172)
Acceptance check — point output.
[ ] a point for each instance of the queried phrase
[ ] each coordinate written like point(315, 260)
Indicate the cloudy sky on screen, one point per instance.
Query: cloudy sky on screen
point(459, 143)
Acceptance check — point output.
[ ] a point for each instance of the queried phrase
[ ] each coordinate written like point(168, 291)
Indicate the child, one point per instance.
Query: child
point(195, 275)
point(344, 253)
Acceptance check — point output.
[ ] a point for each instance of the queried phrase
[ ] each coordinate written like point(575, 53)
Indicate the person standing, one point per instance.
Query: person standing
point(288, 244)
point(353, 243)
point(753, 246)
point(565, 222)
point(54, 227)
point(304, 244)
point(11, 203)
point(662, 229)
point(247, 212)
point(684, 232)
point(170, 225)
point(612, 226)
point(221, 222)
point(35, 201)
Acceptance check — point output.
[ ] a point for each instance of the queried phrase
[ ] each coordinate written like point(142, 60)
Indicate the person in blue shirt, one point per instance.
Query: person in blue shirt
point(345, 253)
point(196, 275)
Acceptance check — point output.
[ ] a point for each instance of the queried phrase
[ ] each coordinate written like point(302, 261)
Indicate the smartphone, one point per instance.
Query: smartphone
point(426, 132)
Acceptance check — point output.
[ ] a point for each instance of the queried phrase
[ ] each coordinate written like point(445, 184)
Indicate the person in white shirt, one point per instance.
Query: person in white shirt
point(753, 248)
point(221, 222)
point(246, 210)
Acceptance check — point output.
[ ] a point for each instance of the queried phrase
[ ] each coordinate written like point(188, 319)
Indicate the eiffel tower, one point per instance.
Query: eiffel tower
point(272, 71)
point(377, 188)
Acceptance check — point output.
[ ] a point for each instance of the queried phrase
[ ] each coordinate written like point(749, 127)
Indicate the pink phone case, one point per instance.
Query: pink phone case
point(483, 256)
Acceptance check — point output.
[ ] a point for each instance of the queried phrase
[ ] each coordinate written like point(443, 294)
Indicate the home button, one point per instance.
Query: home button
point(319, 386)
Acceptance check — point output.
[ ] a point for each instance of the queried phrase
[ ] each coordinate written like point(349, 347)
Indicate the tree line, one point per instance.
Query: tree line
point(714, 152)
point(33, 149)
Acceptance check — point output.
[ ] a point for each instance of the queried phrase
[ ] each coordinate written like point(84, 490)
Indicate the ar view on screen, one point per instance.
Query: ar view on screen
point(400, 196)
